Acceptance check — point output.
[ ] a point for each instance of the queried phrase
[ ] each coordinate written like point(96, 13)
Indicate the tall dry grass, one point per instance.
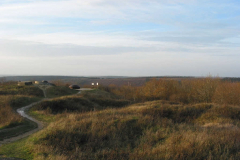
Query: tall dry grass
point(151, 130)
point(194, 119)
point(189, 91)
point(227, 93)
point(197, 90)
point(8, 117)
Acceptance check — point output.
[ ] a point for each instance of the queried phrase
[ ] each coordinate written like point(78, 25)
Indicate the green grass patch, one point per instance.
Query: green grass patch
point(41, 116)
point(19, 149)
point(59, 91)
point(14, 89)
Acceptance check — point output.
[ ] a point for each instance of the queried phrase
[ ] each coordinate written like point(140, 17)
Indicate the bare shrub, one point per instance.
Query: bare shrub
point(199, 90)
point(227, 93)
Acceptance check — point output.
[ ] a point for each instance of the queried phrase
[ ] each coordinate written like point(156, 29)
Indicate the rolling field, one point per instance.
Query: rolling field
point(163, 119)
point(150, 130)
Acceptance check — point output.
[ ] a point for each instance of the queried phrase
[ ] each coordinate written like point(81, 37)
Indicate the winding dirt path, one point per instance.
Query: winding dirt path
point(22, 112)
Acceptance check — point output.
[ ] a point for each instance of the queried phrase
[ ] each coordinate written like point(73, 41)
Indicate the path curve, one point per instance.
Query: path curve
point(22, 112)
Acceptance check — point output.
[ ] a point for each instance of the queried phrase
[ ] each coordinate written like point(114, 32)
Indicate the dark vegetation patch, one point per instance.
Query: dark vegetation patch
point(178, 113)
point(105, 99)
point(87, 101)
point(58, 91)
point(12, 130)
point(96, 93)
point(66, 104)
point(14, 89)
point(107, 102)
point(20, 101)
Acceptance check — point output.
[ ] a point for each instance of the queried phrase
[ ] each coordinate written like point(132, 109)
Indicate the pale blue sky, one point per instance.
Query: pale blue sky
point(125, 38)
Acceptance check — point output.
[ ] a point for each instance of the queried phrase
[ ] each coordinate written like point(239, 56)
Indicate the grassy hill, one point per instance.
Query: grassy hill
point(13, 97)
point(163, 119)
point(152, 130)
point(102, 125)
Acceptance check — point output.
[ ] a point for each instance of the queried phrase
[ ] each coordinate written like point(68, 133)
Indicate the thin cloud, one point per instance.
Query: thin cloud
point(26, 49)
point(146, 35)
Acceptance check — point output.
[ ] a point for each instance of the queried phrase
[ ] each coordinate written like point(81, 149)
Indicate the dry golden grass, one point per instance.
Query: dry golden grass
point(227, 93)
point(201, 121)
point(189, 91)
point(151, 130)
point(8, 117)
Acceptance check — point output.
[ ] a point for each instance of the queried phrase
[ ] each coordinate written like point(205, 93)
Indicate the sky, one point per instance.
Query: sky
point(120, 38)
